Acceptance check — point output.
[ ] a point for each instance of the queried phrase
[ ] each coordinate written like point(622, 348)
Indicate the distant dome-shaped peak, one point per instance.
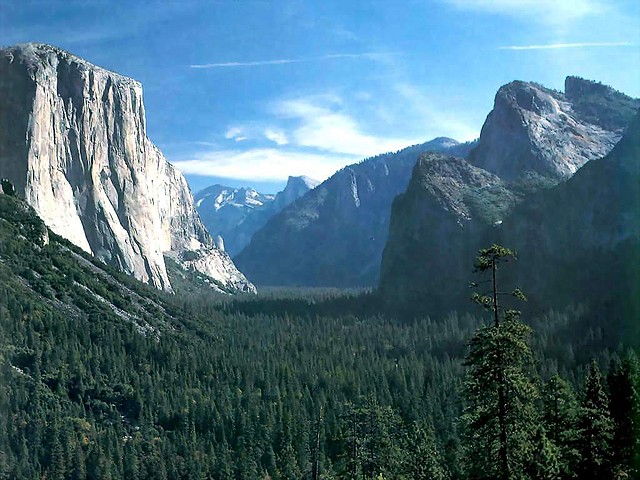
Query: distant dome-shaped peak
point(301, 180)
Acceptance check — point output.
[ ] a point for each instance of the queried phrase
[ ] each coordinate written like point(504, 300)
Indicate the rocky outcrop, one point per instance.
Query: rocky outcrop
point(295, 188)
point(334, 235)
point(436, 227)
point(533, 138)
point(73, 142)
point(581, 239)
point(534, 134)
point(235, 214)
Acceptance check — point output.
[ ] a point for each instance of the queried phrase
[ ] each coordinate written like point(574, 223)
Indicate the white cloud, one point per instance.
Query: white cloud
point(545, 11)
point(276, 136)
point(283, 61)
point(322, 125)
point(319, 134)
point(235, 133)
point(264, 164)
point(555, 46)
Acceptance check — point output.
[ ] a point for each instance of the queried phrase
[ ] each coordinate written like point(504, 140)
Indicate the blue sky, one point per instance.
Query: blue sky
point(254, 91)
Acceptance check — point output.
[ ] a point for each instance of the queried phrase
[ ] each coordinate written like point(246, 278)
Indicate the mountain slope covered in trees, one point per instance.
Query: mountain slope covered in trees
point(103, 377)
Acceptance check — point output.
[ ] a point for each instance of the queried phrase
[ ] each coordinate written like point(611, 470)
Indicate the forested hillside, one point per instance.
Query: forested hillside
point(102, 377)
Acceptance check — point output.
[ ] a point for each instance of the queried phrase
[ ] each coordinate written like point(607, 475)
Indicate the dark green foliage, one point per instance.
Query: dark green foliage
point(595, 429)
point(499, 355)
point(489, 204)
point(103, 377)
point(500, 416)
point(624, 389)
point(424, 461)
point(544, 461)
point(7, 188)
point(20, 219)
point(560, 416)
point(600, 104)
point(373, 438)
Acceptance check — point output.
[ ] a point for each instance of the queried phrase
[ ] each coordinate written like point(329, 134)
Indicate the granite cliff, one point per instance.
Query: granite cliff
point(436, 226)
point(541, 136)
point(544, 194)
point(73, 142)
point(581, 239)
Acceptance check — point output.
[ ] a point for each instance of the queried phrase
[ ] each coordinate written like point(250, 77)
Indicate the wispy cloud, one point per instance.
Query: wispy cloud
point(322, 124)
point(554, 46)
point(284, 61)
point(438, 118)
point(317, 134)
point(246, 64)
point(235, 133)
point(314, 134)
point(544, 11)
point(265, 164)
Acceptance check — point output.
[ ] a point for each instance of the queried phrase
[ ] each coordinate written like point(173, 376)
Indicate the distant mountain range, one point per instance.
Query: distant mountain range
point(542, 178)
point(235, 214)
point(334, 235)
point(533, 139)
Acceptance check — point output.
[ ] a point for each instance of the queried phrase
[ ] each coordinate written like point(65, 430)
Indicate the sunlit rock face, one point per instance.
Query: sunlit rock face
point(73, 141)
point(536, 132)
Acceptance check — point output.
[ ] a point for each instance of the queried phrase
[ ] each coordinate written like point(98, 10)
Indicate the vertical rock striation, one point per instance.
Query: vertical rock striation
point(73, 141)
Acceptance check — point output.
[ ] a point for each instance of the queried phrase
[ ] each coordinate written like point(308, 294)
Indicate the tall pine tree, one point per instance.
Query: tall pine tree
point(500, 415)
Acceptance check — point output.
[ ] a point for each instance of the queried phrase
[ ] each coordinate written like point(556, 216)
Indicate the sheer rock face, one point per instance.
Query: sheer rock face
point(435, 228)
point(73, 142)
point(536, 131)
point(591, 244)
point(522, 196)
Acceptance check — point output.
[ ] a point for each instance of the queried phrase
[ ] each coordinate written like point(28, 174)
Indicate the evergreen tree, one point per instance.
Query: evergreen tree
point(544, 463)
point(423, 460)
point(595, 429)
point(500, 415)
point(560, 420)
point(623, 383)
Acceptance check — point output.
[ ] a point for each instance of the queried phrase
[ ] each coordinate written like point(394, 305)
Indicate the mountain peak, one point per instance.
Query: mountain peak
point(73, 142)
point(528, 96)
point(537, 134)
point(35, 54)
point(301, 180)
point(442, 143)
point(235, 214)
